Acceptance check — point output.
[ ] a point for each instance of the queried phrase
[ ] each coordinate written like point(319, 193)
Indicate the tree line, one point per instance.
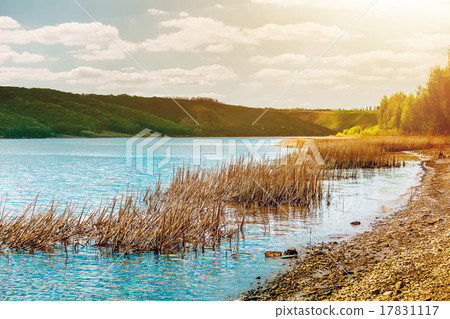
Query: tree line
point(426, 112)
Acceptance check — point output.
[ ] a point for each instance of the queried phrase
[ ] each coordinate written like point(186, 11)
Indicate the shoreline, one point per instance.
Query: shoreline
point(405, 256)
point(284, 138)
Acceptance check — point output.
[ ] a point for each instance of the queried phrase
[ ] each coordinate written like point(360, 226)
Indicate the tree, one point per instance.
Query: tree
point(426, 113)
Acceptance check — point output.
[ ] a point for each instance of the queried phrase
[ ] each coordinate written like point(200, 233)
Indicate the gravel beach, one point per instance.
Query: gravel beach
point(405, 256)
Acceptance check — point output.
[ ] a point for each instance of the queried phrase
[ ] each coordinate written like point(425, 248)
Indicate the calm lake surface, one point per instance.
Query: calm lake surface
point(94, 170)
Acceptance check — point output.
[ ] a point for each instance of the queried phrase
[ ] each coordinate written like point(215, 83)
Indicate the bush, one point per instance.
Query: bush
point(31, 132)
point(358, 131)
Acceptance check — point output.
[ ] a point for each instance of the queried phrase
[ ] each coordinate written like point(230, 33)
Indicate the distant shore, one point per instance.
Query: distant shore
point(285, 142)
point(406, 256)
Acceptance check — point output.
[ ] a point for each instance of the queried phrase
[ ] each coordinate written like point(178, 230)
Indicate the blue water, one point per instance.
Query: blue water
point(92, 170)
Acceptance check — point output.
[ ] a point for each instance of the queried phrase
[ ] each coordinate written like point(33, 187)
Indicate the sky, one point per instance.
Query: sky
point(278, 53)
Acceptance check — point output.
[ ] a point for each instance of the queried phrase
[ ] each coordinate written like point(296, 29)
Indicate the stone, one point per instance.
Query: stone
point(289, 256)
point(355, 223)
point(387, 293)
point(290, 251)
point(376, 292)
point(272, 254)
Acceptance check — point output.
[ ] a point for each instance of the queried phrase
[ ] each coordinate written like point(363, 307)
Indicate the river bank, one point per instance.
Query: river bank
point(404, 257)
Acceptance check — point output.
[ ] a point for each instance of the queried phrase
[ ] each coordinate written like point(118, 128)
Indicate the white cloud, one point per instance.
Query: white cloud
point(7, 54)
point(310, 31)
point(219, 6)
point(415, 71)
point(34, 74)
point(310, 77)
point(353, 4)
point(128, 69)
point(383, 66)
point(287, 58)
point(157, 12)
point(204, 75)
point(100, 78)
point(252, 84)
point(427, 42)
point(183, 14)
point(342, 87)
point(26, 57)
point(384, 57)
point(97, 44)
point(218, 48)
point(373, 78)
point(108, 52)
point(195, 33)
point(69, 34)
point(8, 23)
point(276, 74)
point(347, 4)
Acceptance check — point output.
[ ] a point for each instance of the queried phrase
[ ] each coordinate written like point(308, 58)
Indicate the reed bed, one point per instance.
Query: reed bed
point(356, 153)
point(191, 213)
point(278, 182)
point(156, 222)
point(371, 152)
point(194, 212)
point(410, 143)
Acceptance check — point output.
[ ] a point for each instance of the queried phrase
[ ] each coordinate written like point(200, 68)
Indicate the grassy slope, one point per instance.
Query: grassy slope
point(338, 120)
point(221, 119)
point(44, 112)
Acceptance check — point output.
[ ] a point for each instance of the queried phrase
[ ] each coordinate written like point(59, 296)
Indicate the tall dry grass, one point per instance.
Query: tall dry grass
point(157, 222)
point(278, 182)
point(371, 152)
point(356, 153)
point(194, 212)
point(191, 213)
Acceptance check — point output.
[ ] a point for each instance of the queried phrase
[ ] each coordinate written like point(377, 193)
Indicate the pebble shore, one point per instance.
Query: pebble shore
point(405, 256)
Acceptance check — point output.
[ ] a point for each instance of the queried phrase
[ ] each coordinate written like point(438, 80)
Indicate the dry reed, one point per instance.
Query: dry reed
point(189, 214)
point(370, 152)
point(193, 212)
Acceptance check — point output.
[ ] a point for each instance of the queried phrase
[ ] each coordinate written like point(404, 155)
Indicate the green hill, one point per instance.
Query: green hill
point(338, 120)
point(45, 112)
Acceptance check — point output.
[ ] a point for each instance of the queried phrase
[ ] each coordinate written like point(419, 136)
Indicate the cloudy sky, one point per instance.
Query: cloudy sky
point(246, 52)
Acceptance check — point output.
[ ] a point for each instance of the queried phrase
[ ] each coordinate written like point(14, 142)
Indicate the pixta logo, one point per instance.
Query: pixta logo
point(142, 148)
point(149, 152)
point(310, 153)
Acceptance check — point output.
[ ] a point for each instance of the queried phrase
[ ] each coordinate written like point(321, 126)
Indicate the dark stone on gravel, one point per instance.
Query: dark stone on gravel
point(376, 292)
point(290, 251)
